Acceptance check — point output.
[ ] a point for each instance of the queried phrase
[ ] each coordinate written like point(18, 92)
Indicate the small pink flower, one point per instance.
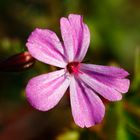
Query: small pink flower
point(84, 80)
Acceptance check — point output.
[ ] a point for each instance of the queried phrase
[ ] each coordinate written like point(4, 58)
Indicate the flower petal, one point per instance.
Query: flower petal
point(76, 37)
point(82, 35)
point(101, 88)
point(105, 70)
point(45, 46)
point(46, 90)
point(68, 38)
point(121, 85)
point(87, 107)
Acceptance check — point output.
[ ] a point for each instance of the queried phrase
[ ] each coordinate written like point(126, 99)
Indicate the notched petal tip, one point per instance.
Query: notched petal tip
point(117, 98)
point(125, 86)
point(75, 16)
point(29, 96)
point(32, 35)
point(63, 19)
point(123, 71)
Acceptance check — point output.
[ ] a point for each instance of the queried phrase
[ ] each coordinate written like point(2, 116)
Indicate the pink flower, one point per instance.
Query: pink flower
point(84, 80)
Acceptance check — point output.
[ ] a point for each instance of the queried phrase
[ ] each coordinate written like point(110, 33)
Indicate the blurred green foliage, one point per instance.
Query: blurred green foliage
point(115, 39)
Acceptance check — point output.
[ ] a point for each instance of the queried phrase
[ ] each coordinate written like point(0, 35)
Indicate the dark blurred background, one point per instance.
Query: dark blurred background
point(115, 40)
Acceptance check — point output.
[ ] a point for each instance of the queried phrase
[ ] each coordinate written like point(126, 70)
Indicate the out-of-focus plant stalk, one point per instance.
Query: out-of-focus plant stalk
point(136, 81)
point(137, 62)
point(17, 63)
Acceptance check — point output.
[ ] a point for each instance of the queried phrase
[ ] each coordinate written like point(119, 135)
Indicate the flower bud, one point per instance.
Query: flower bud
point(17, 63)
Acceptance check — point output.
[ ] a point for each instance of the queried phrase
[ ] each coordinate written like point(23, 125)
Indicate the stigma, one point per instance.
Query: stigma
point(73, 67)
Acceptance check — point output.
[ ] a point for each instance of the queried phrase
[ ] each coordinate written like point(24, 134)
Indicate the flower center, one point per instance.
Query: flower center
point(73, 67)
